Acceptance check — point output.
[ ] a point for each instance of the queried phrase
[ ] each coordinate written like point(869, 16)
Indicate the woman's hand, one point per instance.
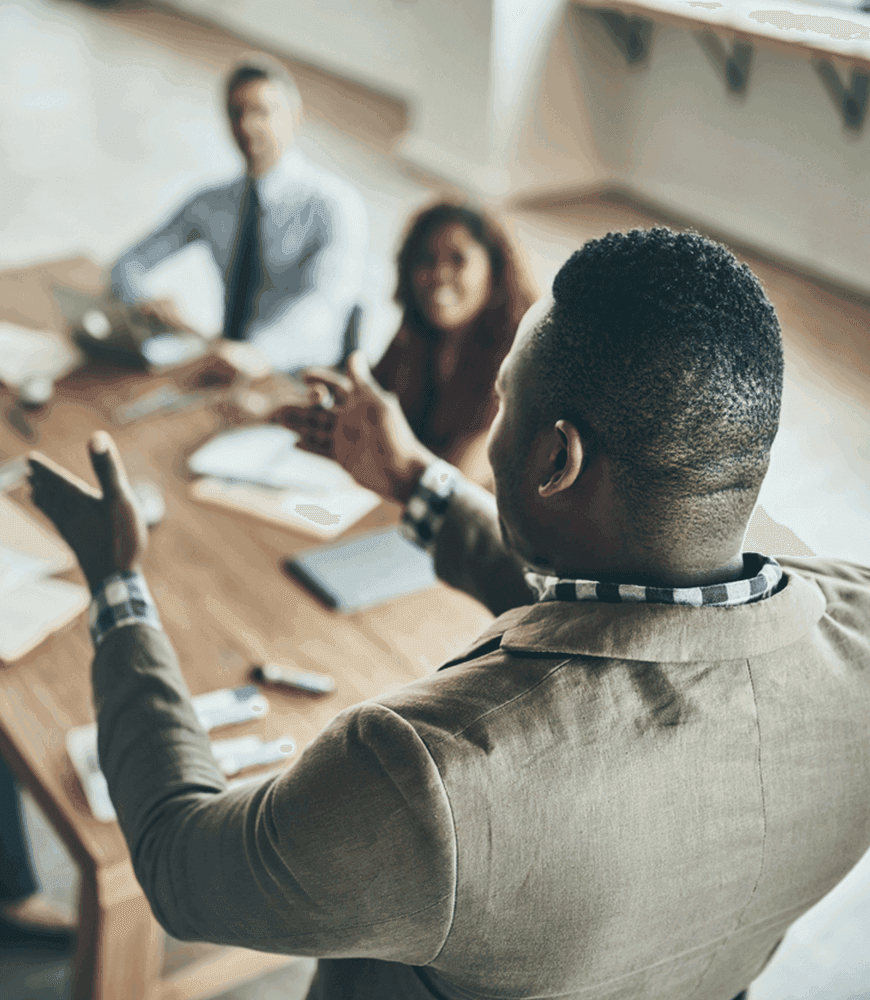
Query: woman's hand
point(352, 419)
point(105, 530)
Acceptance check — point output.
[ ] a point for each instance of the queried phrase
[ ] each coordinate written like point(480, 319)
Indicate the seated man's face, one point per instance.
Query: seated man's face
point(262, 121)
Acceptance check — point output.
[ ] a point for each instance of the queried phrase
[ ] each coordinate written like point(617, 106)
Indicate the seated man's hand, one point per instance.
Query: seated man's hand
point(225, 362)
point(164, 312)
point(104, 529)
point(352, 419)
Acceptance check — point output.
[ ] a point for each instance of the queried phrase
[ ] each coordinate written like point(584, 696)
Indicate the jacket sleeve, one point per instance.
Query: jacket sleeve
point(471, 556)
point(349, 852)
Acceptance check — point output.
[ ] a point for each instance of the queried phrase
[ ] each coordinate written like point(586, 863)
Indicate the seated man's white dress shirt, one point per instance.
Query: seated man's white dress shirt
point(312, 233)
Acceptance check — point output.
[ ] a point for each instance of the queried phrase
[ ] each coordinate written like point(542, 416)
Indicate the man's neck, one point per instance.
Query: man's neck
point(272, 173)
point(668, 573)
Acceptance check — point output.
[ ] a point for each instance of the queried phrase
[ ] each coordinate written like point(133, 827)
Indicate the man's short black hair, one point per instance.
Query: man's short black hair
point(262, 67)
point(666, 353)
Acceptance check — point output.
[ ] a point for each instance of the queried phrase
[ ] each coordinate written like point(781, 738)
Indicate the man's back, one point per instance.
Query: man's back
point(645, 797)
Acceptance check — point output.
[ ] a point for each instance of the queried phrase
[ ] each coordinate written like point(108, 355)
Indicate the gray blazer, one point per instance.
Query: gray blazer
point(595, 801)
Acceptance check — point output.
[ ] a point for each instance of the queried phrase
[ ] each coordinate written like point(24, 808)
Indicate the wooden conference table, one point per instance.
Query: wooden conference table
point(225, 604)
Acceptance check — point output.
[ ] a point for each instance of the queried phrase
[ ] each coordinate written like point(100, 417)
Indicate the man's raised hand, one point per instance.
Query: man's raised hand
point(104, 529)
point(352, 419)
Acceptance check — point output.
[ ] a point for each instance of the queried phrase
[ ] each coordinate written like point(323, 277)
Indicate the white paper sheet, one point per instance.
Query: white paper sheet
point(33, 353)
point(33, 610)
point(20, 531)
point(192, 280)
point(17, 568)
point(31, 606)
point(266, 455)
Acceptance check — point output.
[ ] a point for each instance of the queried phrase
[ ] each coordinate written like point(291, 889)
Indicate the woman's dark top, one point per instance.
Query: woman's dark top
point(443, 409)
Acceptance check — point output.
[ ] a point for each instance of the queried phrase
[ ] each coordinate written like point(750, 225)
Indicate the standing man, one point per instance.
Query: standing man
point(651, 763)
point(288, 238)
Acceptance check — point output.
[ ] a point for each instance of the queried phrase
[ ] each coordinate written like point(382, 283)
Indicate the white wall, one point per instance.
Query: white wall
point(775, 169)
point(513, 97)
point(435, 54)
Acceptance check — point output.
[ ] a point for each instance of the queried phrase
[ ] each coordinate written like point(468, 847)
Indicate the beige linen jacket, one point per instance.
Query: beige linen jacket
point(618, 802)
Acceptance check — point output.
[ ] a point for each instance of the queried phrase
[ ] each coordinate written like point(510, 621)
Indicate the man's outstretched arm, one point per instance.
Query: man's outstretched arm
point(291, 864)
point(177, 232)
point(364, 429)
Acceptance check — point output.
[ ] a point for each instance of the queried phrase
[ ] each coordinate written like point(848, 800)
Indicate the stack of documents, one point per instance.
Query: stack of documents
point(260, 470)
point(32, 606)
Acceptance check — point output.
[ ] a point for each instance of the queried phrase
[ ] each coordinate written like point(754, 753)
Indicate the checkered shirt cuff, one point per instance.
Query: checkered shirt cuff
point(123, 599)
point(428, 506)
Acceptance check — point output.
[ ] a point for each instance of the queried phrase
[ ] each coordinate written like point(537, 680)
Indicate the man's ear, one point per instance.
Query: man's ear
point(564, 461)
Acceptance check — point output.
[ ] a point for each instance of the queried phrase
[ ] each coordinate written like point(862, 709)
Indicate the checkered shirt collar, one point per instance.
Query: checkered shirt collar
point(766, 574)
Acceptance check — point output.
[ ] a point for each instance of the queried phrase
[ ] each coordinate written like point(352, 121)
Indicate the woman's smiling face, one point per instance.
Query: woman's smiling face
point(453, 278)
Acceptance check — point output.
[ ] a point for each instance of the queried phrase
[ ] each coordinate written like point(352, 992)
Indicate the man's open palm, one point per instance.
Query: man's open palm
point(104, 529)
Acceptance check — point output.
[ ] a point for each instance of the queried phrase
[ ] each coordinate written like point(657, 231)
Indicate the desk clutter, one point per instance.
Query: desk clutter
point(32, 604)
point(259, 471)
point(119, 333)
point(214, 709)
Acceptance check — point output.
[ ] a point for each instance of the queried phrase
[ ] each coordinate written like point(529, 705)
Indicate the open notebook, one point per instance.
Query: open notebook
point(32, 605)
point(260, 471)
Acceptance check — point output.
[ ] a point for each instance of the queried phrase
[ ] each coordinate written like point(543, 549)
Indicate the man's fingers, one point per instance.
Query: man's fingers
point(290, 416)
point(359, 371)
point(324, 398)
point(49, 478)
point(317, 444)
point(339, 385)
point(107, 464)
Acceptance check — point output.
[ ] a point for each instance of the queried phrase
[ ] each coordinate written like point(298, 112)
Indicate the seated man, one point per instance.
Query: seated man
point(650, 764)
point(288, 238)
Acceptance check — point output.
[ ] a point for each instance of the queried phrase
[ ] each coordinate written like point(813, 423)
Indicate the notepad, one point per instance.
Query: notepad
point(260, 471)
point(371, 569)
point(32, 606)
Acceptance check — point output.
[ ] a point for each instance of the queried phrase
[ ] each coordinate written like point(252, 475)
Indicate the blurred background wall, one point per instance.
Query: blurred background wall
point(516, 98)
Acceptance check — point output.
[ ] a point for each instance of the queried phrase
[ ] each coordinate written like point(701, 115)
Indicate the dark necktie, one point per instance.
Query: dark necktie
point(245, 277)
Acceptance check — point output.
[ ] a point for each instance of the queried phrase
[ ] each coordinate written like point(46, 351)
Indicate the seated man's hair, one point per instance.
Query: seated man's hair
point(666, 354)
point(262, 67)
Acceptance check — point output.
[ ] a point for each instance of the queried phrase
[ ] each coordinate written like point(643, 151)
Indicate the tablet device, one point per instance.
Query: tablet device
point(369, 569)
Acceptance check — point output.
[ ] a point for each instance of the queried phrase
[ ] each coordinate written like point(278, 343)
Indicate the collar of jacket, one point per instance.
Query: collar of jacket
point(661, 633)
